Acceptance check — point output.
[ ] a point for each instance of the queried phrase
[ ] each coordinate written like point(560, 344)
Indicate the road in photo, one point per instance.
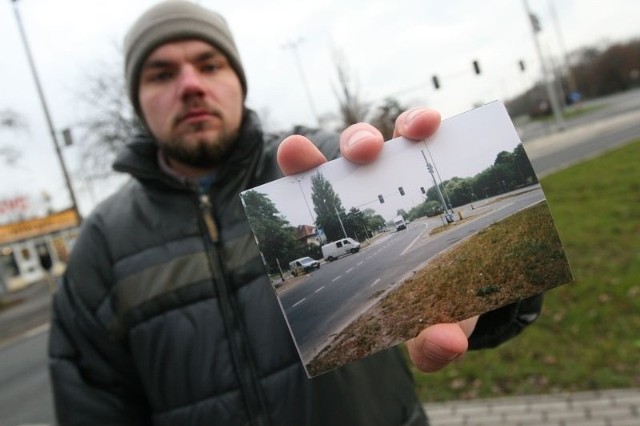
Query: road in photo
point(322, 303)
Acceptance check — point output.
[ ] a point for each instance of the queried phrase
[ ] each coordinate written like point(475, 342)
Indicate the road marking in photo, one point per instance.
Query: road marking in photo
point(359, 263)
point(319, 289)
point(375, 282)
point(336, 278)
point(348, 270)
point(299, 302)
point(369, 257)
point(413, 242)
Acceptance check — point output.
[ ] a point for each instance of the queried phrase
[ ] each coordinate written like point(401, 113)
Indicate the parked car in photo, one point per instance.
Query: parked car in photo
point(303, 265)
point(338, 248)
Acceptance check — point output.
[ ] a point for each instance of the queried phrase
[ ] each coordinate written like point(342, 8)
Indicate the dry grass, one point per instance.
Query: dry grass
point(515, 258)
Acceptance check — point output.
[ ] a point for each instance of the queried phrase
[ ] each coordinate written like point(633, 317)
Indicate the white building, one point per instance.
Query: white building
point(29, 247)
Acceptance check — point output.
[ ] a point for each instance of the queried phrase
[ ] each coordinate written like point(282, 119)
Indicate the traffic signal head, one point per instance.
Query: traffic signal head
point(401, 190)
point(380, 198)
point(422, 190)
point(436, 82)
point(476, 67)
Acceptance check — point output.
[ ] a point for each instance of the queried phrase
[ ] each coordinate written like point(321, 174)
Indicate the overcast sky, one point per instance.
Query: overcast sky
point(391, 48)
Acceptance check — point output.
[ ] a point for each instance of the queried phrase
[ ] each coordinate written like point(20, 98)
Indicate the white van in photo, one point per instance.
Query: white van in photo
point(338, 248)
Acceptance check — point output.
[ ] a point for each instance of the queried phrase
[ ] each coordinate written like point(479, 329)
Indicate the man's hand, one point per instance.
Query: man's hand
point(360, 143)
point(437, 345)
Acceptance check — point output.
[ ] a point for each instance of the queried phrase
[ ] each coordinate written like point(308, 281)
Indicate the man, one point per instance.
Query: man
point(165, 315)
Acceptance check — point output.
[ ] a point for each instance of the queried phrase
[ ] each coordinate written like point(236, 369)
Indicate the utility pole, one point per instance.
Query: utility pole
point(340, 220)
point(445, 208)
point(45, 108)
point(293, 45)
point(571, 80)
point(298, 179)
point(535, 29)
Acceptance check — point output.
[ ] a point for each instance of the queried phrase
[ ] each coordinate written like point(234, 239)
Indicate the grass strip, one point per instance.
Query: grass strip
point(588, 336)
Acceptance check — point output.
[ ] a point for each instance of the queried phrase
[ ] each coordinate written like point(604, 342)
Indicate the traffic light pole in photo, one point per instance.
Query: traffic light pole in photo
point(449, 215)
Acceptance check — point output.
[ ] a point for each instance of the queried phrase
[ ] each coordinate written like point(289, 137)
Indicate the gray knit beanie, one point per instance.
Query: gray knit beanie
point(170, 21)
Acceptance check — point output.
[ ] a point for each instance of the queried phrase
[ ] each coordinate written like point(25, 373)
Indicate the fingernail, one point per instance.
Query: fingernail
point(412, 114)
point(357, 137)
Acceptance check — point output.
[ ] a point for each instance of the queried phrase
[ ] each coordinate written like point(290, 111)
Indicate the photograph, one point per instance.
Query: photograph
point(364, 257)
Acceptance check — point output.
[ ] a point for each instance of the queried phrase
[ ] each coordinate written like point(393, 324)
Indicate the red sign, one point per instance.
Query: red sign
point(14, 205)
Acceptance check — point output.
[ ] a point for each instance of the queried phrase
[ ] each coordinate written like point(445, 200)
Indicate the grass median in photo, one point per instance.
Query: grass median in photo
point(517, 257)
point(588, 335)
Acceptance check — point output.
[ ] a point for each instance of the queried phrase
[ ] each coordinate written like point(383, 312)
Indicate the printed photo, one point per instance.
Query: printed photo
point(364, 257)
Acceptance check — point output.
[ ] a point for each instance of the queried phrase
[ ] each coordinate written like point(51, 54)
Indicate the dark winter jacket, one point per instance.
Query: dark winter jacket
point(166, 317)
point(160, 321)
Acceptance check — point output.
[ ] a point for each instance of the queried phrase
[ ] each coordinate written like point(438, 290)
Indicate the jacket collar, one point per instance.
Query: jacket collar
point(139, 158)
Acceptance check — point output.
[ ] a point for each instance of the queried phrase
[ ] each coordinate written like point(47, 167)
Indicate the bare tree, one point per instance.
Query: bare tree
point(110, 124)
point(10, 120)
point(352, 109)
point(384, 119)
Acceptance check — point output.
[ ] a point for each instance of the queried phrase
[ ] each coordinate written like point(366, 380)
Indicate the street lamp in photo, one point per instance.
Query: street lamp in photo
point(445, 208)
point(298, 181)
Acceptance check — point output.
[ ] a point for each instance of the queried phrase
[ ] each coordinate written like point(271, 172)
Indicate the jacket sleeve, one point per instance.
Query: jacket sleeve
point(500, 325)
point(92, 376)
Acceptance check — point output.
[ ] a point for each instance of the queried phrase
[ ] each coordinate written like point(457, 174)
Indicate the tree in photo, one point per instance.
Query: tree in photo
point(328, 207)
point(356, 224)
point(523, 168)
point(375, 222)
point(275, 235)
point(460, 191)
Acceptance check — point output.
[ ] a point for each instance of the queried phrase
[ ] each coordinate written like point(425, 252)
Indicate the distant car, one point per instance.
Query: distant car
point(302, 265)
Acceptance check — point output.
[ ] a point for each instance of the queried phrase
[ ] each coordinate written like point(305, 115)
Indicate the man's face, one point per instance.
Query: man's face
point(191, 100)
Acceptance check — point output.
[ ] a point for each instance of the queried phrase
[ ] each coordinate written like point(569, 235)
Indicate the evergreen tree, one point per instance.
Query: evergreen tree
point(327, 206)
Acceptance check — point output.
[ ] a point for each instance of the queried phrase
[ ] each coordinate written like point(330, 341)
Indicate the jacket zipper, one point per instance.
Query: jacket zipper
point(245, 369)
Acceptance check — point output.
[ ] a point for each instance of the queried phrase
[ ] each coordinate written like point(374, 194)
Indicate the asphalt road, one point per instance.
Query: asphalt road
point(322, 303)
point(25, 398)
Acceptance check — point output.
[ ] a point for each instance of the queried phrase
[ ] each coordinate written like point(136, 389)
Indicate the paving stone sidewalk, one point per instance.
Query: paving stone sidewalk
point(599, 408)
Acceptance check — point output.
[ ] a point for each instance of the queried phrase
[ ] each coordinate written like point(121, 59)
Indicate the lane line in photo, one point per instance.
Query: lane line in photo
point(413, 242)
point(375, 282)
point(299, 302)
point(318, 289)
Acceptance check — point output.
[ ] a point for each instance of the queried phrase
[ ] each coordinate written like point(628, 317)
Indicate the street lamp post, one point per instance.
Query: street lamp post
point(555, 105)
point(298, 179)
point(445, 208)
point(293, 45)
point(340, 220)
point(45, 108)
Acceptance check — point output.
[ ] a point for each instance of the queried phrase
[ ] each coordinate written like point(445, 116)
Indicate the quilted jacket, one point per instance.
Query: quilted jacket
point(166, 317)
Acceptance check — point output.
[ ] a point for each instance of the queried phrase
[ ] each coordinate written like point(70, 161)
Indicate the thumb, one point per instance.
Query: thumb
point(437, 346)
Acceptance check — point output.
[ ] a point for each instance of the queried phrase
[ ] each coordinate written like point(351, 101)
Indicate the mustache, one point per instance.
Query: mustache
point(189, 109)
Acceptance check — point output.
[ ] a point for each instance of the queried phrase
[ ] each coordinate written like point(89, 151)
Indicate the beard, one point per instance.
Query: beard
point(200, 151)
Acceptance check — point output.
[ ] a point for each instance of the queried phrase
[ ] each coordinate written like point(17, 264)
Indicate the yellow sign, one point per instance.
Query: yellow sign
point(37, 227)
